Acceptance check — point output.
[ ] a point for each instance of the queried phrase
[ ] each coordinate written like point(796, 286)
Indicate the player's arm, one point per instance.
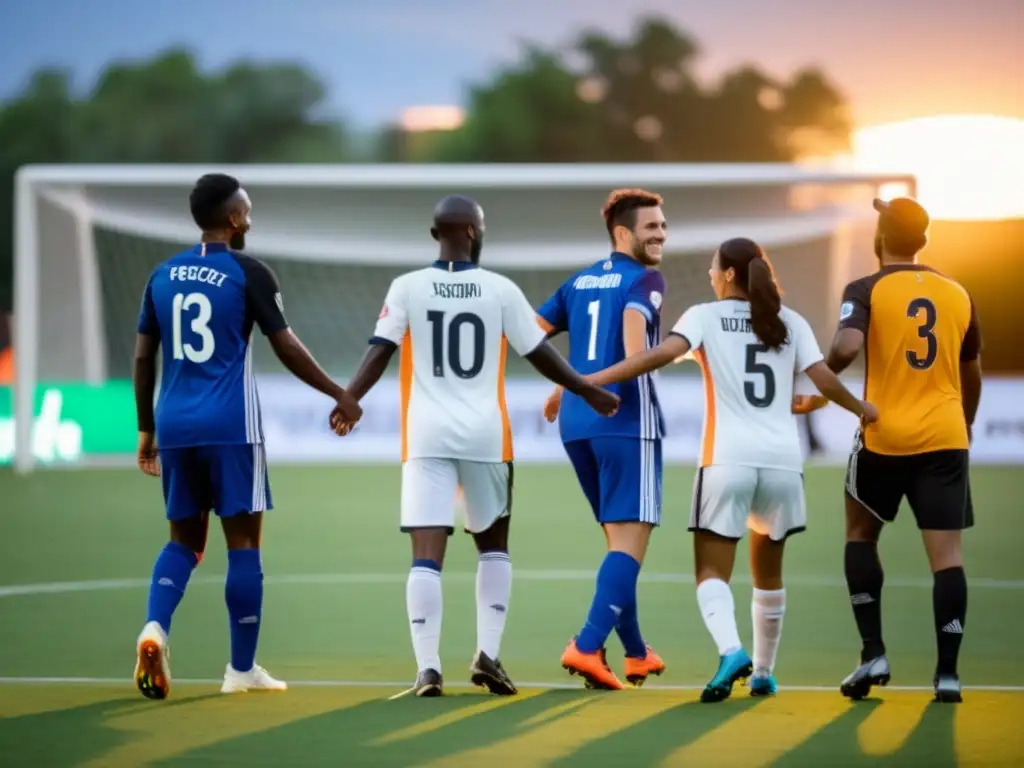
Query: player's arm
point(529, 340)
point(392, 325)
point(640, 308)
point(970, 370)
point(263, 296)
point(854, 314)
point(809, 360)
point(671, 349)
point(147, 342)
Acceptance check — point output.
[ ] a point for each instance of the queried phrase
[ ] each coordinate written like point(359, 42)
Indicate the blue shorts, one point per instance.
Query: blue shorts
point(620, 476)
point(229, 479)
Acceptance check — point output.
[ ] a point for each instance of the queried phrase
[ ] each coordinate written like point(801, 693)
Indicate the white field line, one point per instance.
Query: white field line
point(98, 585)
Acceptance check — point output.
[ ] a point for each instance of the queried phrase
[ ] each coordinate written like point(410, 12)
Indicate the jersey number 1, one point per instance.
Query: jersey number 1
point(594, 310)
point(436, 318)
point(200, 326)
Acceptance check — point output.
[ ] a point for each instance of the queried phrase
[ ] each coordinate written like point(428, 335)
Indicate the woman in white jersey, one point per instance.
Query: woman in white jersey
point(750, 349)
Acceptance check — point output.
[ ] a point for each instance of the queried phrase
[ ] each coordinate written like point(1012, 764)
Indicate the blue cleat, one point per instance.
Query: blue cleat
point(763, 685)
point(735, 666)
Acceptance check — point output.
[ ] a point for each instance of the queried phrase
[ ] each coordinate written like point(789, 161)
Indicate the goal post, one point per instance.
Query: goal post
point(87, 237)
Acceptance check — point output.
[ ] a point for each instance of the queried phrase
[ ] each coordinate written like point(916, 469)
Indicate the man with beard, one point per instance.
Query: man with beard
point(454, 321)
point(611, 310)
point(201, 305)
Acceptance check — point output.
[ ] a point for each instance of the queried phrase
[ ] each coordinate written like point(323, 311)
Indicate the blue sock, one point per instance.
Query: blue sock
point(171, 573)
point(243, 592)
point(616, 590)
point(628, 630)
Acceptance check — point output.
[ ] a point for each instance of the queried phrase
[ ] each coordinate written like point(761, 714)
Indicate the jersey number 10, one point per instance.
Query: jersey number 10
point(476, 364)
point(200, 326)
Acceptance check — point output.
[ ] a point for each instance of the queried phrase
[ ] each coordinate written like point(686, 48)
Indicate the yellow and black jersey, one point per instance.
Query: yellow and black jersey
point(918, 326)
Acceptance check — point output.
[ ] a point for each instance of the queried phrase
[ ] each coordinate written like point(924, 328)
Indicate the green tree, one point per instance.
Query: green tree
point(165, 110)
point(638, 101)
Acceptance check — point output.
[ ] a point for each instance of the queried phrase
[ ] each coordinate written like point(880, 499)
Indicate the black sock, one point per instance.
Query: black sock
point(864, 579)
point(949, 598)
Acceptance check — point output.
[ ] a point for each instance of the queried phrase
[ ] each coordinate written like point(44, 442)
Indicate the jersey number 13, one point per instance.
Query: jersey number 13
point(200, 326)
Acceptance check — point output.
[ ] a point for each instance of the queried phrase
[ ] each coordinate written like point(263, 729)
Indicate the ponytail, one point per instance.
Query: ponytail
point(765, 303)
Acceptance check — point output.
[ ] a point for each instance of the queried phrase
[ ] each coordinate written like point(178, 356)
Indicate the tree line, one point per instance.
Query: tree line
point(632, 100)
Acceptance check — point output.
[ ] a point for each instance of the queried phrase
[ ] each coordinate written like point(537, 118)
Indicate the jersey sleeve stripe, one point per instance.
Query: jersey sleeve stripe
point(707, 452)
point(641, 309)
point(405, 389)
point(545, 325)
point(506, 425)
point(381, 341)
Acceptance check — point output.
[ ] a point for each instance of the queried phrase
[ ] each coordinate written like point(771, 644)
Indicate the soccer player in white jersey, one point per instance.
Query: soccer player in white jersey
point(750, 348)
point(454, 322)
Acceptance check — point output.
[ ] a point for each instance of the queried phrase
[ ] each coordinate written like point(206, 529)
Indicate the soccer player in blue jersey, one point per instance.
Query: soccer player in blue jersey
point(611, 310)
point(201, 306)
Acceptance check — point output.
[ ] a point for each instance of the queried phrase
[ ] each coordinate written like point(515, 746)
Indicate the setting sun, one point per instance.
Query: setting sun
point(967, 166)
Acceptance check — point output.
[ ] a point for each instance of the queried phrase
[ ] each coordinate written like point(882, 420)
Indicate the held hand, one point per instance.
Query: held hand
point(870, 413)
point(601, 400)
point(552, 405)
point(808, 403)
point(345, 414)
point(148, 460)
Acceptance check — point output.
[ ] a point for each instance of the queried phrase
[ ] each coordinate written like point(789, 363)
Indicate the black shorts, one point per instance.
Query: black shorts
point(936, 485)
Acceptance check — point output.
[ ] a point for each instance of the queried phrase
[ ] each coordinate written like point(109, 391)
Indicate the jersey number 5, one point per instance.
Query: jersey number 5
point(761, 369)
point(200, 326)
point(926, 331)
point(436, 318)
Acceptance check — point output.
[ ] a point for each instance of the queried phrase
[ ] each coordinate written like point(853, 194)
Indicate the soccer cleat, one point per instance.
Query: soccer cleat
point(256, 679)
point(637, 670)
point(948, 690)
point(731, 668)
point(872, 672)
point(763, 685)
point(429, 684)
point(488, 673)
point(153, 662)
point(592, 667)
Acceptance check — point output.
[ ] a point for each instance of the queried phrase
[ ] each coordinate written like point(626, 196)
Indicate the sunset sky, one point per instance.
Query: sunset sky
point(895, 59)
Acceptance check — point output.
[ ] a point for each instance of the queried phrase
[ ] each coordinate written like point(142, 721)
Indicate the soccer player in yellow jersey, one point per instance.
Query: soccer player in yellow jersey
point(921, 342)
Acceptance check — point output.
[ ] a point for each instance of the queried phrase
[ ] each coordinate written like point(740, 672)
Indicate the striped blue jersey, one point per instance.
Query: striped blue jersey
point(589, 306)
point(203, 304)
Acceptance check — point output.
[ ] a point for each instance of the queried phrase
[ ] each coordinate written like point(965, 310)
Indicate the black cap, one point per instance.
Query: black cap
point(903, 215)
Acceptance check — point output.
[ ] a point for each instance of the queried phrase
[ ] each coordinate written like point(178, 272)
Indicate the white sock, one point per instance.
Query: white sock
point(493, 589)
point(716, 606)
point(767, 607)
point(424, 604)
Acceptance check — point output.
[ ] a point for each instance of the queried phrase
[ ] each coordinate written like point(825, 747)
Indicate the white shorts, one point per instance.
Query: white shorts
point(728, 500)
point(430, 487)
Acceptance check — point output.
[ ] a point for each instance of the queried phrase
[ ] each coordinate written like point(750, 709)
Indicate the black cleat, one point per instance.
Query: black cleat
point(858, 684)
point(488, 673)
point(429, 683)
point(948, 690)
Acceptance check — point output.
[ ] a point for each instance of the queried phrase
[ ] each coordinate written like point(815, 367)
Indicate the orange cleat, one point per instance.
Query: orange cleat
point(592, 667)
point(637, 670)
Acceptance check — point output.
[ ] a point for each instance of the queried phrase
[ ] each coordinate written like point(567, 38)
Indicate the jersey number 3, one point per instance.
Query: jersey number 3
point(761, 369)
point(926, 331)
point(200, 326)
point(476, 364)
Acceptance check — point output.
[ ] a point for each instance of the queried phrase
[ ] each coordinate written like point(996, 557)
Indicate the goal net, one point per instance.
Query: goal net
point(88, 238)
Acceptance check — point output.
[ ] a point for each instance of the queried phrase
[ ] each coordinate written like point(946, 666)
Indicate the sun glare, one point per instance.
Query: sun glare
point(967, 166)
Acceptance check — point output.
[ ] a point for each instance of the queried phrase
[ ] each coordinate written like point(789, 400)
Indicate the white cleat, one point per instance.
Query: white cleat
point(256, 679)
point(153, 662)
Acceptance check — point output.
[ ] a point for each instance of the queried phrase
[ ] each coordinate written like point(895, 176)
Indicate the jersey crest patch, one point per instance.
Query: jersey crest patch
point(656, 299)
point(279, 301)
point(846, 310)
point(607, 265)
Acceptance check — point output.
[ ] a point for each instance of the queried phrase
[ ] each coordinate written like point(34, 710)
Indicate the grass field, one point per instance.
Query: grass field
point(77, 548)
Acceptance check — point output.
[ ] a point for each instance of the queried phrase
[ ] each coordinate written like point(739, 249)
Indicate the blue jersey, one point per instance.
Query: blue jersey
point(203, 304)
point(589, 306)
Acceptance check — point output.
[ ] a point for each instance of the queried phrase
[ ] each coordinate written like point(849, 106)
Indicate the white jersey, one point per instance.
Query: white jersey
point(453, 322)
point(748, 390)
